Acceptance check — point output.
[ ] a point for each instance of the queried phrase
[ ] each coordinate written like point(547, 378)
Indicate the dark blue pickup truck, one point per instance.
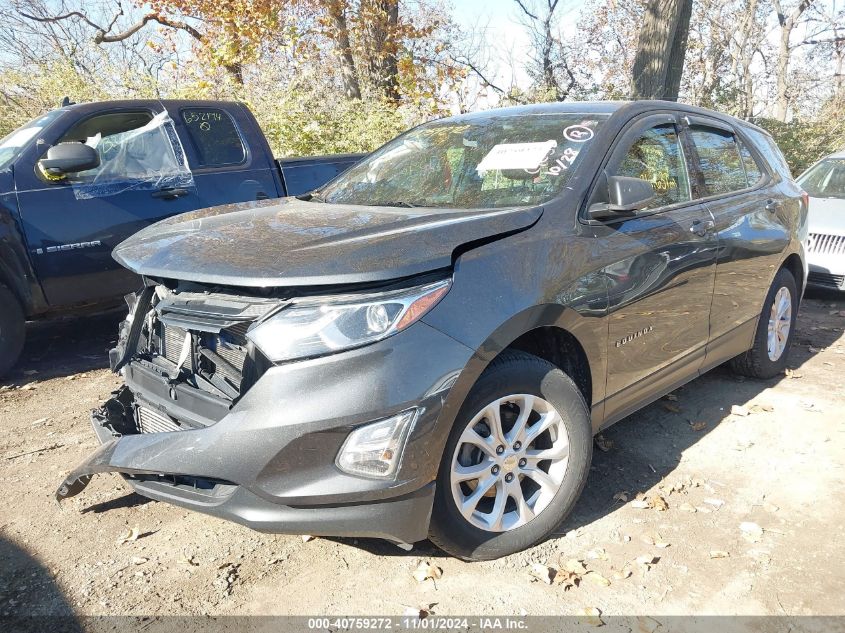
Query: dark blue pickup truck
point(78, 180)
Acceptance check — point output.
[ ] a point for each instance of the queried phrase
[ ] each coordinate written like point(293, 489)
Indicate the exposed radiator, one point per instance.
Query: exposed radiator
point(151, 421)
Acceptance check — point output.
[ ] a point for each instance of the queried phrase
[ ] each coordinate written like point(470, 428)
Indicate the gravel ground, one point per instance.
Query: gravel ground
point(740, 516)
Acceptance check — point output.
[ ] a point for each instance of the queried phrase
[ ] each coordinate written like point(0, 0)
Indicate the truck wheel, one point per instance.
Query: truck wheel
point(515, 461)
point(767, 357)
point(12, 330)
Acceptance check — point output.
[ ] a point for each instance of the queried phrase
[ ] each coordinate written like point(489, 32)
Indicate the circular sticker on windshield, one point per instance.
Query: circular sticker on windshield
point(578, 133)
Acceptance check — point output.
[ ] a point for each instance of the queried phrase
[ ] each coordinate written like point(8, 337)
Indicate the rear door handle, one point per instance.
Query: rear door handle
point(772, 206)
point(170, 193)
point(701, 227)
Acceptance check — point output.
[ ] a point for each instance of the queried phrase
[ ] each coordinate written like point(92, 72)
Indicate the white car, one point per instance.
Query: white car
point(825, 183)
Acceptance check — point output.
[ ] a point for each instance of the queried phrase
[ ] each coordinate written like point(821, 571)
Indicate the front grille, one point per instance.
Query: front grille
point(826, 244)
point(826, 279)
point(151, 421)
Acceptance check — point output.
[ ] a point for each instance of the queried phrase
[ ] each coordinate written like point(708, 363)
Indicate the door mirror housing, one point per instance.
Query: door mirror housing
point(625, 196)
point(69, 158)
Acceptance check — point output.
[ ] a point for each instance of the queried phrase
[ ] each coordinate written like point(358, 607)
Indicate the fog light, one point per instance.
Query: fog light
point(374, 450)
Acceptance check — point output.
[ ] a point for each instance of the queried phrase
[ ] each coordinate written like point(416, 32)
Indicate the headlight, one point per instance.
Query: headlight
point(315, 327)
point(375, 449)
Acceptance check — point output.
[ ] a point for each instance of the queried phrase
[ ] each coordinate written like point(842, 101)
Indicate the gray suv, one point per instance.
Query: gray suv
point(426, 346)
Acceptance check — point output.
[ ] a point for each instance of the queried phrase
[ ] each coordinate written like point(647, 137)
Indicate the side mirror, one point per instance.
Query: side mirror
point(626, 195)
point(69, 158)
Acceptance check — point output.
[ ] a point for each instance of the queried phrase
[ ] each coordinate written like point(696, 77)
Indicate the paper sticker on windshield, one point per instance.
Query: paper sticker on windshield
point(516, 156)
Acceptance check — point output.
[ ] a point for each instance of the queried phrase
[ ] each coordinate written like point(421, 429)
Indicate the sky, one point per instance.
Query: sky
point(497, 23)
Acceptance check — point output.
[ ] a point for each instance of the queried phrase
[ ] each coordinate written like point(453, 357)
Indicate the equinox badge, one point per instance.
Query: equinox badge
point(637, 334)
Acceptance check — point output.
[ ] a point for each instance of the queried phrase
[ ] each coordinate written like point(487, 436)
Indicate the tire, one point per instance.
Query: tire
point(12, 330)
point(517, 379)
point(757, 361)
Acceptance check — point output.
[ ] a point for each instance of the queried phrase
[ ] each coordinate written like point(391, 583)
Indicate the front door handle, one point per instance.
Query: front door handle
point(772, 206)
point(170, 193)
point(701, 227)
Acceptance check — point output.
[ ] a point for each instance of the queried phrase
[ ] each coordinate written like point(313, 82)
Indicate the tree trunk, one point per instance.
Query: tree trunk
point(787, 24)
point(336, 10)
point(659, 62)
point(381, 19)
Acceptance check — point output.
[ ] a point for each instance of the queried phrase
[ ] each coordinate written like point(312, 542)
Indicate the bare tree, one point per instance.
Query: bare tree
point(787, 24)
point(550, 66)
point(661, 49)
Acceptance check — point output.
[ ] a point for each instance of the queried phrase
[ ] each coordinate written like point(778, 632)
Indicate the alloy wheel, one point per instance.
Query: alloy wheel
point(780, 322)
point(509, 463)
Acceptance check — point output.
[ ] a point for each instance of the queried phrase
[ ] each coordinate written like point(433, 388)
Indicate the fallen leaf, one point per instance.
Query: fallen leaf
point(658, 503)
point(739, 410)
point(421, 612)
point(718, 503)
point(791, 373)
point(647, 559)
point(621, 496)
point(703, 509)
point(567, 579)
point(541, 572)
point(306, 538)
point(671, 408)
point(593, 616)
point(623, 573)
point(751, 531)
point(698, 426)
point(640, 503)
point(717, 553)
point(575, 566)
point(139, 560)
point(129, 535)
point(761, 408)
point(597, 554)
point(426, 570)
point(686, 507)
point(597, 579)
point(604, 444)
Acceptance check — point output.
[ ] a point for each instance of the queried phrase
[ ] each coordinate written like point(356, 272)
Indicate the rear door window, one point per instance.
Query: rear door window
point(214, 136)
point(719, 160)
point(656, 156)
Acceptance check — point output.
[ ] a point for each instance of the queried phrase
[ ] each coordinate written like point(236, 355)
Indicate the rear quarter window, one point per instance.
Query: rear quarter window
point(766, 145)
point(214, 136)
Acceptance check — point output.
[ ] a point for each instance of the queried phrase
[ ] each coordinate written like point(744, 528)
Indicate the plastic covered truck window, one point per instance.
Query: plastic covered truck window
point(147, 158)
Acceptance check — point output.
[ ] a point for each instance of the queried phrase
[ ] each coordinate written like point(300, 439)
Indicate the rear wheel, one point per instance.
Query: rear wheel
point(12, 330)
point(767, 357)
point(515, 462)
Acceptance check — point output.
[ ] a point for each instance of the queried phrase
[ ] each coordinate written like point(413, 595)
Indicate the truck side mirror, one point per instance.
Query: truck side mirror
point(625, 196)
point(69, 158)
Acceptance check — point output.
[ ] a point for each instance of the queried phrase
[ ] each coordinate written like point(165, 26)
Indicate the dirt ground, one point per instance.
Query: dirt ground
point(743, 511)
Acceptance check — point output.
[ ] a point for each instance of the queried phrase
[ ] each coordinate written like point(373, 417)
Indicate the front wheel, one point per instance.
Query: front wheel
point(767, 357)
point(515, 462)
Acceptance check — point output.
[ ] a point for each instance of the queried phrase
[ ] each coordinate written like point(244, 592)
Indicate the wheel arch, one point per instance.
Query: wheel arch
point(795, 265)
point(553, 332)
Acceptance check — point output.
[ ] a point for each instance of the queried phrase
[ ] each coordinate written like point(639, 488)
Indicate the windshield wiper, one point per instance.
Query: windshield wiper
point(400, 203)
point(311, 196)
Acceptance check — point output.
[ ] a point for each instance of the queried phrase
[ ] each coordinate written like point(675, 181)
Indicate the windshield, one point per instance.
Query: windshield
point(826, 179)
point(497, 161)
point(13, 144)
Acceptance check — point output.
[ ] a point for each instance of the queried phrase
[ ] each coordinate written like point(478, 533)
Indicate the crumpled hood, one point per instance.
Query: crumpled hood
point(827, 216)
point(291, 242)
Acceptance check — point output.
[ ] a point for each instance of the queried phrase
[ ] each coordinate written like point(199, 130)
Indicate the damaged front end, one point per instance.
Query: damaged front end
point(186, 360)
